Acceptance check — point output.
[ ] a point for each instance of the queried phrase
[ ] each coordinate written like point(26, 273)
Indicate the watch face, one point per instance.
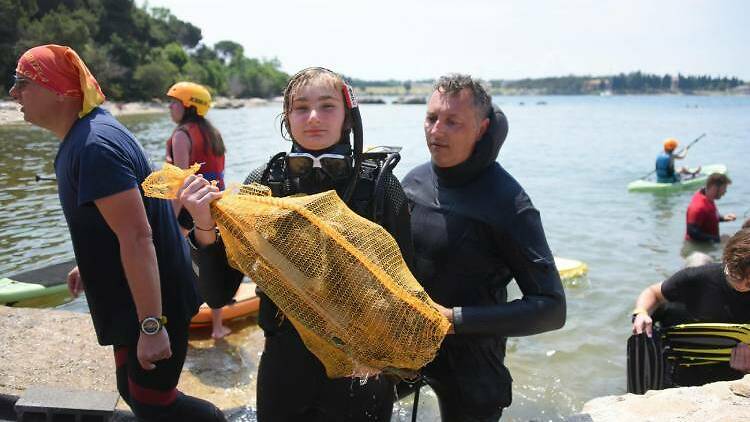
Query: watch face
point(150, 325)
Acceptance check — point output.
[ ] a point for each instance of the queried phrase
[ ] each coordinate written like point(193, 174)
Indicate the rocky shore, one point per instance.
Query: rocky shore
point(10, 111)
point(58, 348)
point(720, 401)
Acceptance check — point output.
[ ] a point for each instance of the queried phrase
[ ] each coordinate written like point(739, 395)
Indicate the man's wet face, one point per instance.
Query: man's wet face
point(452, 127)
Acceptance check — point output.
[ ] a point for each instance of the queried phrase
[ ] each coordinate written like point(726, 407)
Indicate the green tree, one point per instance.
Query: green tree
point(135, 53)
point(11, 13)
point(229, 51)
point(175, 54)
point(60, 26)
point(154, 79)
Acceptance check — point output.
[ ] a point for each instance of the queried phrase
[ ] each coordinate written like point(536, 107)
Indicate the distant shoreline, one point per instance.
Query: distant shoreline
point(426, 89)
point(10, 111)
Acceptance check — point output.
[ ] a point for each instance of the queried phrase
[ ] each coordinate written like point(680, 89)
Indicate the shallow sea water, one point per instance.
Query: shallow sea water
point(574, 156)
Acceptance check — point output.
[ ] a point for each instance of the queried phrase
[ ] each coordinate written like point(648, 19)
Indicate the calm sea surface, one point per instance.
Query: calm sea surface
point(574, 155)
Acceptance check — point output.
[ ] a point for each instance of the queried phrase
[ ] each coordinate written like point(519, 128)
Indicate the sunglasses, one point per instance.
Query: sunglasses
point(20, 83)
point(336, 166)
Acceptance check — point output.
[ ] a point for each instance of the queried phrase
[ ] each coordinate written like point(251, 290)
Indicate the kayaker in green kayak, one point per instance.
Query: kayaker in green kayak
point(665, 171)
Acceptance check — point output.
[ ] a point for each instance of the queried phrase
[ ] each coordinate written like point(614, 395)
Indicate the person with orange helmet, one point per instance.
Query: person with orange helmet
point(196, 140)
point(665, 172)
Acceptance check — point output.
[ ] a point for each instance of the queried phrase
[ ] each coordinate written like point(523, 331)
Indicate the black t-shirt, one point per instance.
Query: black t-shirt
point(705, 296)
point(99, 157)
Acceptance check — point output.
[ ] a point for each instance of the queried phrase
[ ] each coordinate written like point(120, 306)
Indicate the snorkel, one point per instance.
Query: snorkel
point(351, 103)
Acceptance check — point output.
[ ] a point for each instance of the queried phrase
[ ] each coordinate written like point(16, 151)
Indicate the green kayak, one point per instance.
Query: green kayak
point(14, 291)
point(40, 282)
point(644, 185)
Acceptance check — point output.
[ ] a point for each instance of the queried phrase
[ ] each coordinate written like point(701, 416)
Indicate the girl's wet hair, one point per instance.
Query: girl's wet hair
point(304, 78)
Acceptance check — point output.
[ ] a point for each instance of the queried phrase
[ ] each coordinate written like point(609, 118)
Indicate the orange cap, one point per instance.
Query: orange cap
point(670, 144)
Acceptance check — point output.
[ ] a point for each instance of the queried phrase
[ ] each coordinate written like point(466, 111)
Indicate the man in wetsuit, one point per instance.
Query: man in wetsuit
point(710, 293)
point(132, 261)
point(474, 230)
point(702, 215)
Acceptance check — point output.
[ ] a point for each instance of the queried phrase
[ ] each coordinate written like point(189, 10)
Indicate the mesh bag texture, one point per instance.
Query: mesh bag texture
point(338, 277)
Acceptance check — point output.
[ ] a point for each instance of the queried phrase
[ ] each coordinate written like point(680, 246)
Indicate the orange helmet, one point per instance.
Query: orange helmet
point(670, 144)
point(191, 94)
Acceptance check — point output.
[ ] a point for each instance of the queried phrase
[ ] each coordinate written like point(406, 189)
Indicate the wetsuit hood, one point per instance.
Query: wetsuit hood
point(485, 153)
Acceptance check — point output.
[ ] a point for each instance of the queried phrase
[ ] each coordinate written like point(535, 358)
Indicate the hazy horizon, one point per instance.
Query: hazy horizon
point(509, 40)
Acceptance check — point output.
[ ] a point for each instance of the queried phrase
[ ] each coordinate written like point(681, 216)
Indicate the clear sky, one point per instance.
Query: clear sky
point(492, 39)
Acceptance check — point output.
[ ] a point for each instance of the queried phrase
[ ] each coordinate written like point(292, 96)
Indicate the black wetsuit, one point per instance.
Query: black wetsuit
point(475, 229)
point(702, 294)
point(292, 384)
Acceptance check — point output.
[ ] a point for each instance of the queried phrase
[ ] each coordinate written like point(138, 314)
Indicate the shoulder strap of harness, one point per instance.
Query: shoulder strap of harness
point(377, 166)
point(369, 196)
point(274, 176)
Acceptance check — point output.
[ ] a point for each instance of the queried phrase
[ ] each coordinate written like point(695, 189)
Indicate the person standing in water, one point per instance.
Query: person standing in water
point(475, 229)
point(196, 140)
point(702, 216)
point(318, 117)
point(132, 261)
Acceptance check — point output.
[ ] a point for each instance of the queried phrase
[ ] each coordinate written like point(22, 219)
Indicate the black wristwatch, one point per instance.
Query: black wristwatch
point(152, 325)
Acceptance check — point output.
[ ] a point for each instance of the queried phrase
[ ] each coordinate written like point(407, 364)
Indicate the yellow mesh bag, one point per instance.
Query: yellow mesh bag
point(338, 277)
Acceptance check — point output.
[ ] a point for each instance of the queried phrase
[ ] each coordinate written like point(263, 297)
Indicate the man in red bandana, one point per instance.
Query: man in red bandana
point(132, 261)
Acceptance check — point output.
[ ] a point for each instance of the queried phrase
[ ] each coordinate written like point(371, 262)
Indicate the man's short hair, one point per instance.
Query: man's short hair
point(736, 255)
point(453, 83)
point(718, 179)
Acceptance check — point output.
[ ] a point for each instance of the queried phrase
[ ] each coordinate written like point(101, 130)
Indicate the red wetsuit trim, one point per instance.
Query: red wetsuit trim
point(121, 356)
point(150, 396)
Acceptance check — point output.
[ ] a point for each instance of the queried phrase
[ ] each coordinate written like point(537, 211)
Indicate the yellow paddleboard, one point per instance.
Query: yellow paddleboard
point(570, 268)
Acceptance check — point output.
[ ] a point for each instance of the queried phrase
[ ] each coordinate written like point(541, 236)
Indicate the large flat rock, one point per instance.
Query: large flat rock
point(719, 401)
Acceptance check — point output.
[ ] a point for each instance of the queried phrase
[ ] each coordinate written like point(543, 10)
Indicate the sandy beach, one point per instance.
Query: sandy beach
point(10, 112)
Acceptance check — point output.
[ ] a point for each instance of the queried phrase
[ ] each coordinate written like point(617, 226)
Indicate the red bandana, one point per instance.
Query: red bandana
point(59, 69)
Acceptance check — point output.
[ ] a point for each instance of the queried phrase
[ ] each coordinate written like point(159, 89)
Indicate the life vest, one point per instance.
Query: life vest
point(212, 167)
point(665, 168)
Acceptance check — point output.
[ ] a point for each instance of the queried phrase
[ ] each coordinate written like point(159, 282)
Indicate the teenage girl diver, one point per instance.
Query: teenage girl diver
point(319, 114)
point(196, 140)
